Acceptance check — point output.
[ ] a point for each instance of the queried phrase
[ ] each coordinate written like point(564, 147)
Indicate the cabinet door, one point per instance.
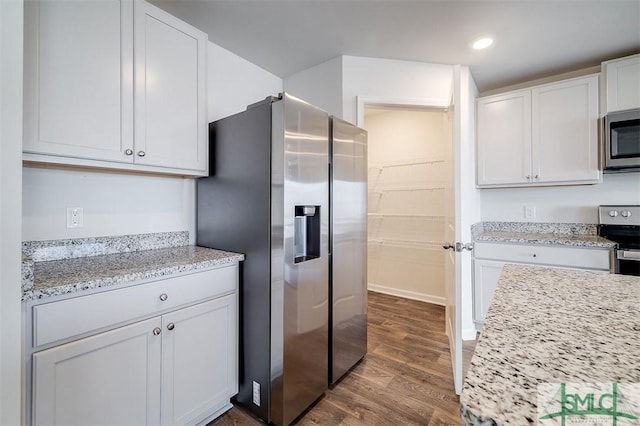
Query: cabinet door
point(623, 84)
point(504, 139)
point(170, 104)
point(486, 275)
point(565, 131)
point(79, 79)
point(111, 378)
point(199, 360)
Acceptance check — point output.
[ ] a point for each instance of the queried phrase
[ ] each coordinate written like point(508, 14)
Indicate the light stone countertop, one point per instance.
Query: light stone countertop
point(551, 325)
point(57, 277)
point(560, 234)
point(573, 240)
point(57, 267)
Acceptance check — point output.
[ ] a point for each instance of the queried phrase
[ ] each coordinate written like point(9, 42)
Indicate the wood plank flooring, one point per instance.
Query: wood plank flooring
point(405, 378)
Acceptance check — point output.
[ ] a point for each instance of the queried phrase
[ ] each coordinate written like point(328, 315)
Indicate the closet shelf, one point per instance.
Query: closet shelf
point(405, 215)
point(408, 188)
point(433, 245)
point(401, 163)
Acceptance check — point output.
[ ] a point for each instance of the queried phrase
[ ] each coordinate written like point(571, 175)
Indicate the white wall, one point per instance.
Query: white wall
point(11, 40)
point(233, 83)
point(113, 203)
point(560, 203)
point(320, 85)
point(391, 79)
point(118, 203)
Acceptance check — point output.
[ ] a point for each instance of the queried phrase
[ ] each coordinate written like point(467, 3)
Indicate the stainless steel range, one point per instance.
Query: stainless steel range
point(621, 224)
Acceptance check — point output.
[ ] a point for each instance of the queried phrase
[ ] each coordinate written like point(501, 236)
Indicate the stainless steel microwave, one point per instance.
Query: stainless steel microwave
point(622, 141)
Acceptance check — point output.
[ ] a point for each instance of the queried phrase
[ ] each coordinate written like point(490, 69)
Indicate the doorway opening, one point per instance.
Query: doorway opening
point(409, 181)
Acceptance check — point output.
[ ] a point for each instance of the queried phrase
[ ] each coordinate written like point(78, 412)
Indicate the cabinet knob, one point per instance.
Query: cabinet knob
point(128, 151)
point(164, 297)
point(536, 177)
point(157, 331)
point(535, 255)
point(528, 177)
point(141, 154)
point(171, 326)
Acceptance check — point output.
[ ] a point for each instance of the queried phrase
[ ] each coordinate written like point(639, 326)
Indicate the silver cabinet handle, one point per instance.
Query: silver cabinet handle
point(141, 154)
point(171, 326)
point(157, 331)
point(128, 151)
point(164, 297)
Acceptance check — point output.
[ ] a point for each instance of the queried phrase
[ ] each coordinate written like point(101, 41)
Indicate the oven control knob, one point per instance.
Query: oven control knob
point(613, 213)
point(626, 213)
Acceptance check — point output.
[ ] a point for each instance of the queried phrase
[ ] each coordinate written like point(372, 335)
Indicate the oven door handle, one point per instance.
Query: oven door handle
point(633, 255)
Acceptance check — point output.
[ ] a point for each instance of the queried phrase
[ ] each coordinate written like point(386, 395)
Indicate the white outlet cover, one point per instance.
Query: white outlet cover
point(75, 217)
point(256, 393)
point(529, 211)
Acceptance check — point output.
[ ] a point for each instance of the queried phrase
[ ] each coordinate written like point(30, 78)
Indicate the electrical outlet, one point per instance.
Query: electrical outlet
point(256, 393)
point(529, 211)
point(75, 217)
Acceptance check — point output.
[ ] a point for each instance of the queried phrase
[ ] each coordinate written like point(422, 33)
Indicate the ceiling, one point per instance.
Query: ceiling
point(533, 38)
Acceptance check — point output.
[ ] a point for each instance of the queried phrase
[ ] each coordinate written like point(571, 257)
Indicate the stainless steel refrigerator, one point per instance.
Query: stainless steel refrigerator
point(348, 248)
point(268, 197)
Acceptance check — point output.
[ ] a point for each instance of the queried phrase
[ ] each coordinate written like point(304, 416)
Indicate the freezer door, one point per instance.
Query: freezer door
point(348, 333)
point(299, 236)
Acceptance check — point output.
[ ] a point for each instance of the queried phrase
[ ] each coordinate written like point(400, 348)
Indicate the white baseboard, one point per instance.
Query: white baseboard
point(436, 300)
point(469, 333)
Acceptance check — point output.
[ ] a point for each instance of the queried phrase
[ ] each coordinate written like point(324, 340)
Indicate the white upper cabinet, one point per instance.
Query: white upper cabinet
point(504, 139)
point(171, 118)
point(92, 66)
point(78, 79)
point(565, 130)
point(546, 135)
point(622, 84)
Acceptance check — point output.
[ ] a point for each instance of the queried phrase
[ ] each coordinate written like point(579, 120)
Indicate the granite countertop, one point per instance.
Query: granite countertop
point(560, 234)
point(69, 266)
point(543, 328)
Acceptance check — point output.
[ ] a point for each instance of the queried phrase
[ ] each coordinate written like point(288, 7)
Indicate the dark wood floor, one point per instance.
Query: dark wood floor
point(405, 379)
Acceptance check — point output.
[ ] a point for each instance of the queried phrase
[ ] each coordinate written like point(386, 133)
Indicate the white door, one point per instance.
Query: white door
point(462, 210)
point(199, 360)
point(170, 105)
point(112, 378)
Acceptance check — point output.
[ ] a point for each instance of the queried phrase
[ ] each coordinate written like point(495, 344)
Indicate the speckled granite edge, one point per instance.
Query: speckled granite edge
point(27, 273)
point(559, 234)
point(543, 328)
point(537, 228)
point(40, 251)
point(60, 277)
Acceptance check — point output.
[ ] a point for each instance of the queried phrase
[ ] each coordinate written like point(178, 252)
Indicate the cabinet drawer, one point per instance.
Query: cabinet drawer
point(60, 320)
point(585, 258)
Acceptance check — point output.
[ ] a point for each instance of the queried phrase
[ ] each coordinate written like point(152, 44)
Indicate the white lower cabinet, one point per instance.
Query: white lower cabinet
point(112, 378)
point(199, 360)
point(489, 258)
point(177, 368)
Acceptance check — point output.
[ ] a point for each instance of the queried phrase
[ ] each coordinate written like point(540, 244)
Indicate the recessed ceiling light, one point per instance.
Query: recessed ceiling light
point(482, 43)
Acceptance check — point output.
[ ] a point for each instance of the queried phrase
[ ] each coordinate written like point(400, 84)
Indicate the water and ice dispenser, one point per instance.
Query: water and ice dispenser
point(306, 233)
